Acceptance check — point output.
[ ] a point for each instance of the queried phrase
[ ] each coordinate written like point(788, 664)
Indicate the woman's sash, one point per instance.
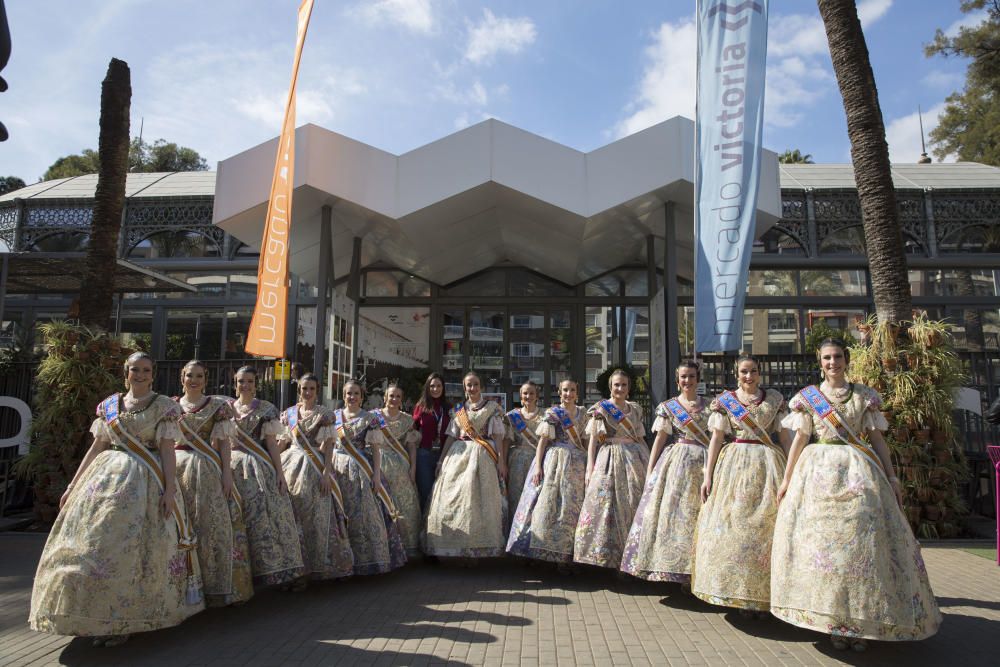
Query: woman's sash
point(248, 443)
point(520, 425)
point(304, 441)
point(821, 406)
point(365, 465)
point(383, 426)
point(567, 423)
point(207, 452)
point(687, 422)
point(620, 418)
point(465, 423)
point(185, 537)
point(739, 412)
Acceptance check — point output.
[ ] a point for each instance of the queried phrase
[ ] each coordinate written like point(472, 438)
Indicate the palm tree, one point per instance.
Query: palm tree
point(795, 156)
point(97, 287)
point(870, 157)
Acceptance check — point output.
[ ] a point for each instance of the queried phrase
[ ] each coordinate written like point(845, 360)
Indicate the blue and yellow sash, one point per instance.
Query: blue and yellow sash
point(620, 418)
point(205, 450)
point(394, 443)
point(247, 442)
point(820, 404)
point(521, 426)
point(567, 423)
point(739, 412)
point(688, 422)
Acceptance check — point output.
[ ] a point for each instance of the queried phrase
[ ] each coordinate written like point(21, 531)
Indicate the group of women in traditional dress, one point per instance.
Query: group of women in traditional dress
point(746, 501)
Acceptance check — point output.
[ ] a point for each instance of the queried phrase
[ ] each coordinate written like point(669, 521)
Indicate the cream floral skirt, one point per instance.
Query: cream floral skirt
point(845, 561)
point(732, 554)
point(396, 470)
point(519, 463)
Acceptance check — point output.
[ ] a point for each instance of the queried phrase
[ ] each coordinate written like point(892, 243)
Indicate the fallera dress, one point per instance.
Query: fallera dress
point(662, 535)
point(273, 534)
point(112, 564)
point(521, 452)
point(326, 549)
point(217, 521)
point(732, 556)
point(396, 470)
point(373, 534)
point(544, 526)
point(844, 560)
point(615, 487)
point(468, 504)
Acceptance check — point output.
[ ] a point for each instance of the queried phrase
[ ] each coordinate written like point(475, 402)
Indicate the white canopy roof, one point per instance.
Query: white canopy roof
point(487, 194)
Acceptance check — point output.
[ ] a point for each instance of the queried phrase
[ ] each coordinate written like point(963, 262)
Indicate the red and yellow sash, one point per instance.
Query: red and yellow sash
point(383, 426)
point(304, 441)
point(206, 450)
point(247, 442)
point(365, 465)
point(465, 422)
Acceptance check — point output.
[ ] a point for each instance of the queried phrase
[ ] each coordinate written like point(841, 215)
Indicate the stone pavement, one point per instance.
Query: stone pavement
point(500, 613)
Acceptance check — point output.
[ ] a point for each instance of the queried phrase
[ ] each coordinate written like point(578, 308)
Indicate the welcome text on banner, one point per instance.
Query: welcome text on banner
point(267, 328)
point(732, 51)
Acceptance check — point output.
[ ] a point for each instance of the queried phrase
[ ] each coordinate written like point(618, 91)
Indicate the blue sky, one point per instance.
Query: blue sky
point(396, 74)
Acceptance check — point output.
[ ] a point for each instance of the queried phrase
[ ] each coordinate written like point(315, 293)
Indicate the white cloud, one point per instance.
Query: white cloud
point(415, 15)
point(493, 35)
point(970, 20)
point(475, 95)
point(798, 71)
point(903, 134)
point(945, 80)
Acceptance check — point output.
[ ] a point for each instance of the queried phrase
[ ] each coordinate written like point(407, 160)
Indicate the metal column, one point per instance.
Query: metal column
point(354, 294)
point(670, 295)
point(323, 291)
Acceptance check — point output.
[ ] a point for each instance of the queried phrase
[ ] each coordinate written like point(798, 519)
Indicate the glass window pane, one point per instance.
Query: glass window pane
point(602, 346)
point(529, 283)
point(835, 282)
point(62, 242)
point(527, 350)
point(771, 331)
point(194, 334)
point(608, 285)
point(237, 325)
point(773, 283)
point(413, 286)
point(846, 319)
point(175, 243)
point(382, 283)
point(777, 242)
point(955, 282)
point(137, 328)
point(560, 351)
point(453, 351)
point(488, 283)
point(636, 283)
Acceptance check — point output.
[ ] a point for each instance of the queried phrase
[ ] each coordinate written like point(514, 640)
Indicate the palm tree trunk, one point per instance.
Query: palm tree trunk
point(97, 288)
point(870, 156)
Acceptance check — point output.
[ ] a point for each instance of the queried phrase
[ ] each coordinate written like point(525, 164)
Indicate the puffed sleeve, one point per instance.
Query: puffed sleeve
point(167, 429)
point(547, 426)
point(719, 419)
point(271, 427)
point(412, 437)
point(663, 420)
point(873, 419)
point(496, 429)
point(799, 418)
point(326, 432)
point(637, 420)
point(454, 430)
point(596, 424)
point(224, 427)
point(99, 429)
point(374, 436)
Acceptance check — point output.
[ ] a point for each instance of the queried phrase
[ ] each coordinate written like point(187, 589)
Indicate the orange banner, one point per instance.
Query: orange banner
point(267, 328)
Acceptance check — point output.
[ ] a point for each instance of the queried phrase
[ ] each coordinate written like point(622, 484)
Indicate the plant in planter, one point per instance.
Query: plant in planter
point(81, 367)
point(917, 375)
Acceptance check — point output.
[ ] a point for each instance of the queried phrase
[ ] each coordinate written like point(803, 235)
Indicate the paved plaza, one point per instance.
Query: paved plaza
point(499, 613)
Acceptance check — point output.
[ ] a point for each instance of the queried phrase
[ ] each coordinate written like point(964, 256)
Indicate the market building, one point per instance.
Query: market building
point(499, 250)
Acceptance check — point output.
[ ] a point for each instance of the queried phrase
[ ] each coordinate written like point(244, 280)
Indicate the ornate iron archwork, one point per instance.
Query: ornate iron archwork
point(957, 213)
point(145, 218)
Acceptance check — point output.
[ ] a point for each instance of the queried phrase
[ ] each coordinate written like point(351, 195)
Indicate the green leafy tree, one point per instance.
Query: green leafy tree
point(161, 155)
point(969, 127)
point(10, 183)
point(795, 156)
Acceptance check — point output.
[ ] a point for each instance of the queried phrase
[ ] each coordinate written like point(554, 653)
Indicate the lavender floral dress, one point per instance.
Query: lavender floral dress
point(544, 526)
point(662, 536)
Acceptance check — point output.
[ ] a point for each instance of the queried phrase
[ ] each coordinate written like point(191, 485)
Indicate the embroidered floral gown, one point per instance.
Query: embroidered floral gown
point(112, 564)
point(732, 555)
point(844, 560)
point(521, 453)
point(544, 526)
point(396, 470)
point(614, 490)
point(273, 535)
point(373, 534)
point(326, 549)
point(467, 510)
point(662, 535)
point(217, 521)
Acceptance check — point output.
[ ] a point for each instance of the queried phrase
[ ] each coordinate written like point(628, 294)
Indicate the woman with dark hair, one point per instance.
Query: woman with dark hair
point(371, 512)
point(522, 439)
point(468, 507)
point(659, 544)
point(431, 418)
point(119, 558)
point(317, 501)
point(544, 525)
point(275, 550)
point(397, 442)
point(732, 554)
point(844, 560)
point(617, 458)
point(205, 478)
